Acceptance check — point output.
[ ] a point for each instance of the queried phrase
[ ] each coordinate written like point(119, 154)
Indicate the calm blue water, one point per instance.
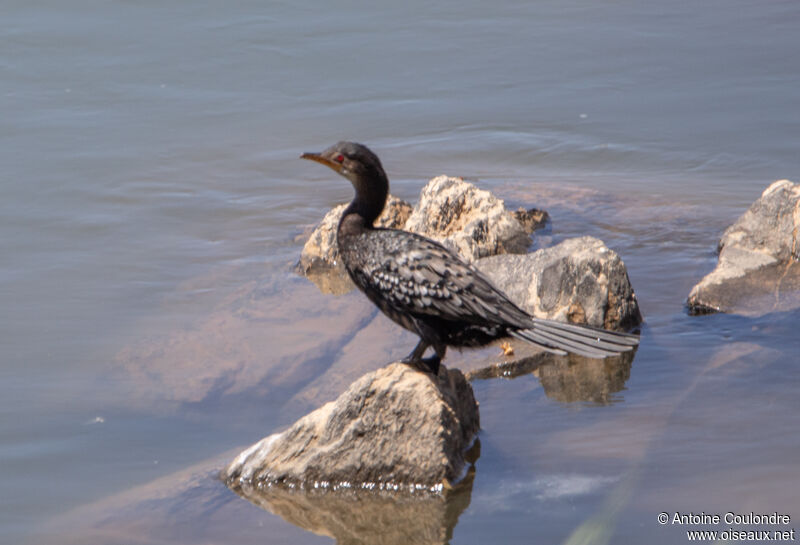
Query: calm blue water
point(150, 174)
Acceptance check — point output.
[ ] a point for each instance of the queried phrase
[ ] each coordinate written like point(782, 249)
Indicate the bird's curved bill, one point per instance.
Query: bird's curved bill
point(320, 159)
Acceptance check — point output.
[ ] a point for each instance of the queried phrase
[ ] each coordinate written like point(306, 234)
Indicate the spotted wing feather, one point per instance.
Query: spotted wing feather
point(418, 276)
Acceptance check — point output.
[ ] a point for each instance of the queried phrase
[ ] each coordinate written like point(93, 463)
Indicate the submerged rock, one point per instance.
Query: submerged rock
point(222, 354)
point(393, 428)
point(531, 219)
point(471, 221)
point(320, 251)
point(759, 259)
point(579, 281)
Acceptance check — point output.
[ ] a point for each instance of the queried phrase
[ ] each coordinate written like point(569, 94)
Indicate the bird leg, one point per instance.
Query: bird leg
point(434, 361)
point(416, 355)
point(430, 364)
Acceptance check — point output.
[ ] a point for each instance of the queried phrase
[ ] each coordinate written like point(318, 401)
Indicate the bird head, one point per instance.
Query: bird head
point(353, 161)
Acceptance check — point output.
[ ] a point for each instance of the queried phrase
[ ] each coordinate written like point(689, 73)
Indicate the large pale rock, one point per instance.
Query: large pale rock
point(579, 280)
point(393, 428)
point(758, 269)
point(320, 250)
point(469, 220)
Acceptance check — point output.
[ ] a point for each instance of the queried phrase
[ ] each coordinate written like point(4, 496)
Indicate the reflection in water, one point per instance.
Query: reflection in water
point(582, 379)
point(354, 517)
point(568, 378)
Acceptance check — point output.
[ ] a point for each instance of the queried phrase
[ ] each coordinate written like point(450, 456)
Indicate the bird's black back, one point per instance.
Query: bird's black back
point(410, 277)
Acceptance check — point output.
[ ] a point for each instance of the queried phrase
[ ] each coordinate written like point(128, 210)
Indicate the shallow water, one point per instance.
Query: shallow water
point(152, 192)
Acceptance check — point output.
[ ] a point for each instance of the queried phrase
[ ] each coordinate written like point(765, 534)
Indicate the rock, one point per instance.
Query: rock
point(469, 220)
point(579, 280)
point(393, 428)
point(320, 251)
point(531, 219)
point(758, 269)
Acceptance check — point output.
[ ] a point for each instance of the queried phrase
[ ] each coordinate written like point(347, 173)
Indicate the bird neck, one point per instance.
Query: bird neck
point(369, 201)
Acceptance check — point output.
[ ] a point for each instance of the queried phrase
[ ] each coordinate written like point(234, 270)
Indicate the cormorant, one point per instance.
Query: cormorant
point(430, 290)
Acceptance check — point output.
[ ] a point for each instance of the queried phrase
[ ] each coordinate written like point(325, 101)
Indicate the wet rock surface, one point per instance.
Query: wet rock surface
point(394, 427)
point(579, 281)
point(759, 259)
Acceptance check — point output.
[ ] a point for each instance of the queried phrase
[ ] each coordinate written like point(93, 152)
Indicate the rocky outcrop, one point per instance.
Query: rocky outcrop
point(471, 221)
point(579, 281)
point(531, 219)
point(759, 259)
point(320, 249)
point(395, 428)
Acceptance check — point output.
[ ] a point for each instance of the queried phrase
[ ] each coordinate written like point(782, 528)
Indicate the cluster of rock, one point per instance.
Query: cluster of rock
point(759, 259)
point(456, 213)
point(397, 428)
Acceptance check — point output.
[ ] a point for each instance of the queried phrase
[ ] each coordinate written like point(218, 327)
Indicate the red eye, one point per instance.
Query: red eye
point(340, 158)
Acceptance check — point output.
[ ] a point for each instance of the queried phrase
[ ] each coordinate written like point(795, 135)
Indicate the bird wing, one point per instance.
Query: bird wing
point(416, 275)
point(413, 275)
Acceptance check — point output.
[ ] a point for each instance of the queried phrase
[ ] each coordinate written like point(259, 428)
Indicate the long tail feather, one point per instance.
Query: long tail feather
point(559, 337)
point(532, 337)
point(616, 337)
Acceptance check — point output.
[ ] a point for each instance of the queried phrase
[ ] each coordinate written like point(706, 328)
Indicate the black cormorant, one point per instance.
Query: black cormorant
point(430, 290)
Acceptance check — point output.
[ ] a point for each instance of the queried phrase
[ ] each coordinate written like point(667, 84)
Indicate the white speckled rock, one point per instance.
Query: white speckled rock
point(395, 426)
point(469, 220)
point(579, 281)
point(758, 269)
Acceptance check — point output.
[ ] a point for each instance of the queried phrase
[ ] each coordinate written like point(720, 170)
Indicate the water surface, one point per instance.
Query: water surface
point(151, 186)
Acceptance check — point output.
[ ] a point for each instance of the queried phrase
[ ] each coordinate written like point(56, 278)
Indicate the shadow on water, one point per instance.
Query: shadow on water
point(355, 517)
